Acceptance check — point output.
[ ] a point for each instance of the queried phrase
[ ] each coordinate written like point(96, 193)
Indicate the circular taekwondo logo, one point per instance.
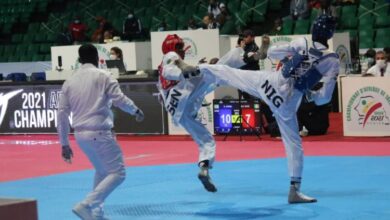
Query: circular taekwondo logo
point(369, 106)
point(344, 57)
point(192, 52)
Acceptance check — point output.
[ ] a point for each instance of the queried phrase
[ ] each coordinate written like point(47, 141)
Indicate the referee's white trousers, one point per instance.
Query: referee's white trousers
point(106, 156)
point(250, 82)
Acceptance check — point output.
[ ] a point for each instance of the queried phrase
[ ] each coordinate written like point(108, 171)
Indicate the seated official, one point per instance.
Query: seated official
point(381, 67)
point(116, 53)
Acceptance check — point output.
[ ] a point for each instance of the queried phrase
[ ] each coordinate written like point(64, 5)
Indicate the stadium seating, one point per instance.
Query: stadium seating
point(16, 77)
point(302, 26)
point(366, 21)
point(38, 76)
point(287, 27)
point(175, 13)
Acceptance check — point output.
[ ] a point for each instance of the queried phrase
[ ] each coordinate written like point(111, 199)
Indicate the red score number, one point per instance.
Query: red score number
point(248, 114)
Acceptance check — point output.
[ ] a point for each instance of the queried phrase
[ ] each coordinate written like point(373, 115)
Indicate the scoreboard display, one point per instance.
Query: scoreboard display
point(227, 118)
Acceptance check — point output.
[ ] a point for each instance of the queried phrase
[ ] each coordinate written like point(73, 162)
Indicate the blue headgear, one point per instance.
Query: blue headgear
point(323, 27)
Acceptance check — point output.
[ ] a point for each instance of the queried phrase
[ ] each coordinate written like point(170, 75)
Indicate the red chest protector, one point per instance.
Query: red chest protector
point(165, 84)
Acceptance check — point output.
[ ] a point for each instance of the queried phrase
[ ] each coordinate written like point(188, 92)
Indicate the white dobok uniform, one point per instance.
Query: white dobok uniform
point(278, 92)
point(89, 95)
point(183, 101)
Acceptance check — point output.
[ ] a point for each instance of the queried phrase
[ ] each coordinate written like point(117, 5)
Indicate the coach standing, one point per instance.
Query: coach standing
point(251, 55)
point(88, 95)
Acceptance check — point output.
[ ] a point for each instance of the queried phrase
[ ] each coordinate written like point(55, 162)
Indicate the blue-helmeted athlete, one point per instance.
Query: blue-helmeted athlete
point(304, 65)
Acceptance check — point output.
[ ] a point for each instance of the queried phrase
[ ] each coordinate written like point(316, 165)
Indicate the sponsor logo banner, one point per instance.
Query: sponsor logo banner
point(33, 109)
point(366, 106)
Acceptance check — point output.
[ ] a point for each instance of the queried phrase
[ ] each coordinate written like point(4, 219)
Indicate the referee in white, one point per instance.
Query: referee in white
point(88, 95)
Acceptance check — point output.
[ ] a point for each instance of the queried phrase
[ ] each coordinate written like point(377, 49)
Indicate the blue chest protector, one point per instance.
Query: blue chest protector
point(304, 71)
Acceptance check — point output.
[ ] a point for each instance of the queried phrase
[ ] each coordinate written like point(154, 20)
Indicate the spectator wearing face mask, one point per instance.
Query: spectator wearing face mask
point(381, 66)
point(131, 27)
point(116, 53)
point(368, 60)
point(77, 30)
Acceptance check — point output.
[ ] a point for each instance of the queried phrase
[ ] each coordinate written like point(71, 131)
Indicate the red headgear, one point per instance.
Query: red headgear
point(172, 43)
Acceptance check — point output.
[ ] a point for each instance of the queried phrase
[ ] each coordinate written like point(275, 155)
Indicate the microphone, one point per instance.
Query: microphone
point(59, 60)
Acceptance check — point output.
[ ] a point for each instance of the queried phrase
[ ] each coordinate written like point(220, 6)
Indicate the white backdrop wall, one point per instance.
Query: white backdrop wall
point(136, 55)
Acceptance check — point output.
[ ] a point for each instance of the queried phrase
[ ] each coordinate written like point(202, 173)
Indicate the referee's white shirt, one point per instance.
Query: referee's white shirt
point(89, 94)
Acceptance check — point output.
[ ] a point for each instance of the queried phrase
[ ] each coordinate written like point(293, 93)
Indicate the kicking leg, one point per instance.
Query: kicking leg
point(245, 80)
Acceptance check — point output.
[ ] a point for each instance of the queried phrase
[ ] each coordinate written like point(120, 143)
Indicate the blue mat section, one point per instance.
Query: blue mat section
point(346, 187)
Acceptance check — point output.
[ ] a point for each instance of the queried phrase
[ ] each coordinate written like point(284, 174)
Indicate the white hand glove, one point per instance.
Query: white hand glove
point(255, 55)
point(190, 72)
point(67, 154)
point(139, 115)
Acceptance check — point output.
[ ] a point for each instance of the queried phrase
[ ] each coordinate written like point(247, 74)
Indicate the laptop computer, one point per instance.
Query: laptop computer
point(116, 64)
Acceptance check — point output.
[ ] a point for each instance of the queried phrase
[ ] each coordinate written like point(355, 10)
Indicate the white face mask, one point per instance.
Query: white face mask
point(130, 16)
point(113, 56)
point(381, 63)
point(278, 28)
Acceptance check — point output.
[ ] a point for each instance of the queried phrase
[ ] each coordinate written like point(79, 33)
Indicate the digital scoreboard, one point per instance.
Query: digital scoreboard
point(227, 118)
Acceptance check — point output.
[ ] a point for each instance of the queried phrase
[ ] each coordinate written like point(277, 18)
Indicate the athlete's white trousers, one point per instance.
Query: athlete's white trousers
point(201, 135)
point(106, 156)
point(251, 82)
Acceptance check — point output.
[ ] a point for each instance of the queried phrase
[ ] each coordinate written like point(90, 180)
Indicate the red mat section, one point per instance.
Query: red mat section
point(26, 156)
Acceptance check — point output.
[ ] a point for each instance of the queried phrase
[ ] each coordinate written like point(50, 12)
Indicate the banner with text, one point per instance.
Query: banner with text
point(33, 109)
point(366, 106)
